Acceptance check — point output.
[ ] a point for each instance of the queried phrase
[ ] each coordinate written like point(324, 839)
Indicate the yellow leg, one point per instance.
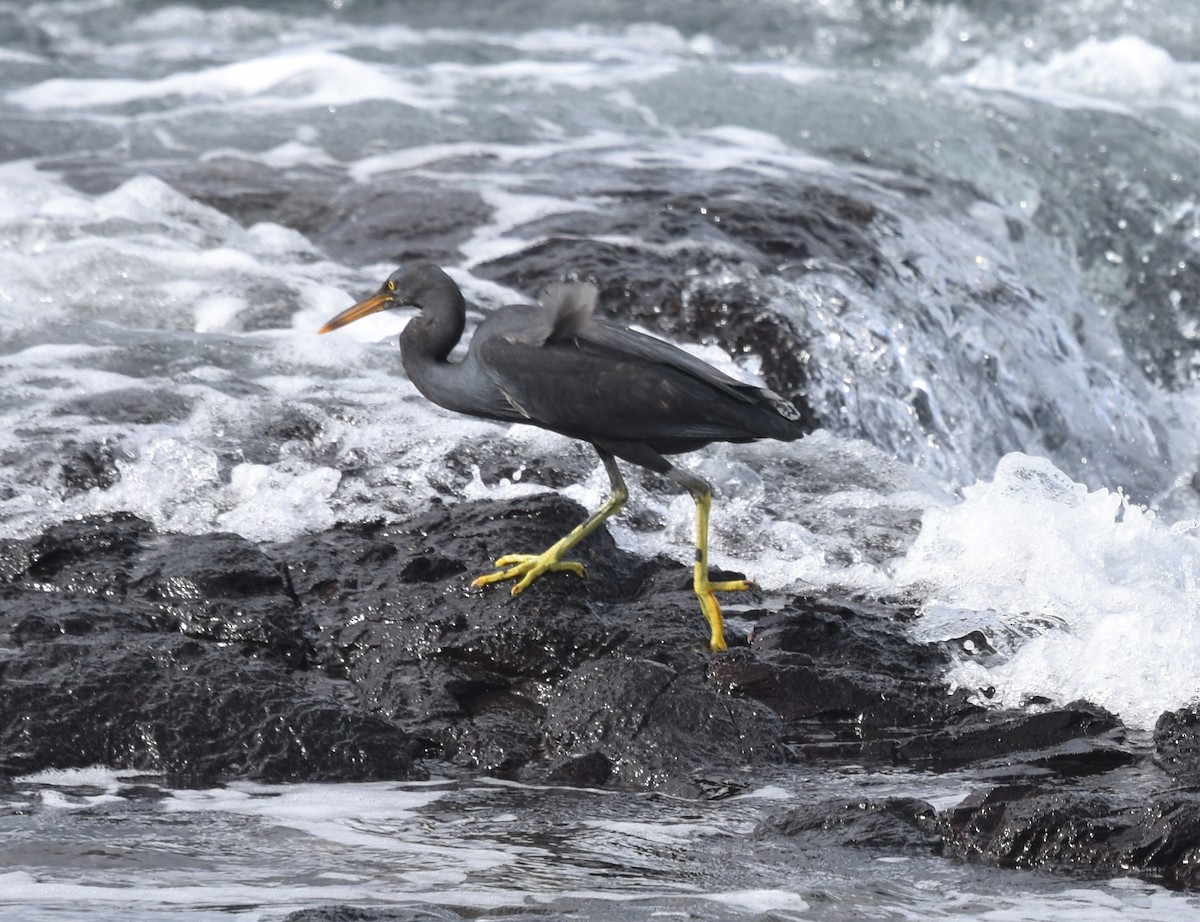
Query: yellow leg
point(706, 590)
point(527, 567)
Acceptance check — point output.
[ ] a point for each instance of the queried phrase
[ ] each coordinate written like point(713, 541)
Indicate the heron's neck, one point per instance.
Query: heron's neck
point(427, 341)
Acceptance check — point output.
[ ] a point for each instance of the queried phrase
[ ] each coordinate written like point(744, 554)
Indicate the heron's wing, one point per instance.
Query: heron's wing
point(614, 340)
point(609, 338)
point(566, 317)
point(611, 383)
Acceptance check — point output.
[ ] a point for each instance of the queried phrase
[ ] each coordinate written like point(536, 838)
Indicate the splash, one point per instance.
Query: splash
point(1079, 593)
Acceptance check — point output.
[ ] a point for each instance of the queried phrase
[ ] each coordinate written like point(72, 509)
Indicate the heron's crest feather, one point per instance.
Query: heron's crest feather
point(570, 304)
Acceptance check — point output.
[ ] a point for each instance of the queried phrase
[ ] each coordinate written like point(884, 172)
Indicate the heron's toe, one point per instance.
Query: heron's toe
point(733, 585)
point(706, 592)
point(525, 568)
point(509, 560)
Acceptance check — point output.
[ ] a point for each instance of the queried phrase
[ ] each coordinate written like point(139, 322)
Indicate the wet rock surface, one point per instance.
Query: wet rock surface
point(892, 823)
point(363, 653)
point(183, 655)
point(1039, 826)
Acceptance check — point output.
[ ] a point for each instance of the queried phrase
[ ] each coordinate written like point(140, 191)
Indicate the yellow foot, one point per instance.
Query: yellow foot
point(528, 567)
point(706, 592)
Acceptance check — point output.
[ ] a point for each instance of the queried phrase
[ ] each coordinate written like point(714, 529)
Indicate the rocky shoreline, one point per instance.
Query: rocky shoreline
point(362, 653)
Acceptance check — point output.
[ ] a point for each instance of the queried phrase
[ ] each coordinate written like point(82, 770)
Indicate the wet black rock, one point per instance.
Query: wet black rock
point(845, 679)
point(657, 726)
point(87, 466)
point(903, 824)
point(220, 587)
point(1034, 826)
point(364, 652)
point(519, 686)
point(1177, 744)
point(180, 655)
point(587, 909)
point(777, 224)
point(344, 913)
point(133, 406)
point(513, 462)
point(395, 219)
point(983, 736)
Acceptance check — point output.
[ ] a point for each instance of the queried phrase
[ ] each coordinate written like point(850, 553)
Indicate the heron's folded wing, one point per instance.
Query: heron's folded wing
point(608, 389)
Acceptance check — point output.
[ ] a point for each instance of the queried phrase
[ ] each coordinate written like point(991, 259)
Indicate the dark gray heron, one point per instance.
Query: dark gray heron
point(631, 396)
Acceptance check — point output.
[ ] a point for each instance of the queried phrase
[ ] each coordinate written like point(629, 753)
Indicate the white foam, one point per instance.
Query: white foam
point(15, 56)
point(296, 153)
point(302, 78)
point(99, 776)
point(171, 482)
point(766, 900)
point(510, 209)
point(270, 504)
point(1125, 71)
point(274, 241)
point(215, 312)
point(309, 802)
point(20, 888)
point(767, 792)
point(1087, 595)
point(725, 147)
point(800, 74)
point(772, 525)
point(417, 156)
point(659, 833)
point(56, 800)
point(637, 40)
point(360, 816)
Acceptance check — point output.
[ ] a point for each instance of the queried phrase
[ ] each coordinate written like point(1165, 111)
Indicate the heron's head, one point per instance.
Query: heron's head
point(415, 286)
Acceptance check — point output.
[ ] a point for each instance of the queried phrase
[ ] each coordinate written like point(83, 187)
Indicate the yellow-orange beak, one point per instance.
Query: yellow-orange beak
point(380, 301)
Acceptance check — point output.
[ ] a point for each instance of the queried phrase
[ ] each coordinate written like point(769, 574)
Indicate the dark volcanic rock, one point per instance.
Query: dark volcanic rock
point(377, 914)
point(134, 406)
point(894, 823)
point(181, 655)
point(221, 587)
point(844, 678)
point(1177, 744)
point(393, 218)
point(1028, 826)
point(208, 655)
point(985, 735)
point(348, 654)
point(396, 219)
point(654, 725)
point(172, 706)
point(519, 686)
point(83, 467)
point(777, 224)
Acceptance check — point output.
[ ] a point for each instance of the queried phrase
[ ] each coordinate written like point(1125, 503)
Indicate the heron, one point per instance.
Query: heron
point(557, 366)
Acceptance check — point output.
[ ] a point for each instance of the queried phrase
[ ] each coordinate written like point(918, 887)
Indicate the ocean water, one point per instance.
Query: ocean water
point(1005, 367)
point(96, 843)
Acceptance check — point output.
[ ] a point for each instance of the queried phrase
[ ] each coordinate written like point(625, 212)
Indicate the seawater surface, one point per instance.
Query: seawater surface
point(490, 849)
point(1007, 391)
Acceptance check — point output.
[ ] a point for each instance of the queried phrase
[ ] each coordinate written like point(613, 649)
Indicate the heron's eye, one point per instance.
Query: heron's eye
point(391, 286)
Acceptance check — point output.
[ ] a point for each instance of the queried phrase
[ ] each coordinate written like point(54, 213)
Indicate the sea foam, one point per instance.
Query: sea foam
point(1080, 593)
point(1099, 73)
